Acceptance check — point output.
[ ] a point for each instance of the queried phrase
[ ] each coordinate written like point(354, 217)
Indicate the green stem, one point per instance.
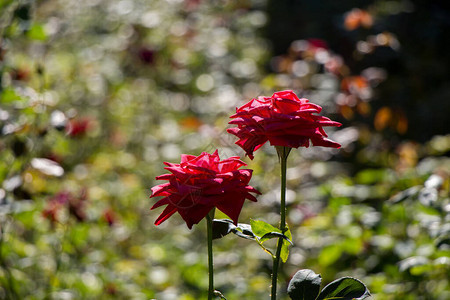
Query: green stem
point(283, 153)
point(209, 223)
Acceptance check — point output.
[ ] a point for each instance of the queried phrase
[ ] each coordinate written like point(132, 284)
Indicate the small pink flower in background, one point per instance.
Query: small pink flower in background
point(77, 205)
point(110, 216)
point(51, 211)
point(283, 120)
point(21, 74)
point(78, 127)
point(191, 5)
point(64, 199)
point(200, 183)
point(54, 205)
point(54, 157)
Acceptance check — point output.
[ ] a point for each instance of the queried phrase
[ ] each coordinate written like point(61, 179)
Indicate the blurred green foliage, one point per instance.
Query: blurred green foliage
point(95, 95)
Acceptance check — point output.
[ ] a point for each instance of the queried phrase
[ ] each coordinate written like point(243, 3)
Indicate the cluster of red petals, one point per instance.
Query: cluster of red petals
point(77, 128)
point(283, 120)
point(65, 199)
point(110, 216)
point(200, 183)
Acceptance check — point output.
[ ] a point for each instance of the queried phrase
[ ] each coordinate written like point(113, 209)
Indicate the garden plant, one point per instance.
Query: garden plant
point(200, 184)
point(116, 114)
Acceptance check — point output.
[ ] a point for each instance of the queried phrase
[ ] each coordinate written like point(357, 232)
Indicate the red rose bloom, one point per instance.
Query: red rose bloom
point(200, 183)
point(283, 120)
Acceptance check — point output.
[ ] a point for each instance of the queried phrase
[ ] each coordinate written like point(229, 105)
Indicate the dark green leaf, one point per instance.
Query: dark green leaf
point(345, 288)
point(222, 227)
point(305, 285)
point(18, 147)
point(271, 235)
point(443, 242)
point(23, 12)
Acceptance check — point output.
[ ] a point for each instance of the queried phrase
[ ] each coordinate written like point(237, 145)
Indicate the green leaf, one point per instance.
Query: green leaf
point(272, 235)
point(37, 33)
point(443, 241)
point(370, 176)
point(285, 247)
point(261, 228)
point(224, 226)
point(8, 95)
point(345, 288)
point(23, 12)
point(305, 285)
point(265, 231)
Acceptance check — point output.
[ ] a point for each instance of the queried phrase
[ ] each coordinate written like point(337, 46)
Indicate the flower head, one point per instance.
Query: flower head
point(200, 183)
point(110, 216)
point(283, 120)
point(64, 199)
point(78, 127)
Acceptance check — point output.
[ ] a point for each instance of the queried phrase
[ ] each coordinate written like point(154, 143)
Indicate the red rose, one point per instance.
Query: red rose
point(283, 120)
point(200, 183)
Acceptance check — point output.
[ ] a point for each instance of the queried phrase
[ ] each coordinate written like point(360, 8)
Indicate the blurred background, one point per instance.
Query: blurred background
point(95, 95)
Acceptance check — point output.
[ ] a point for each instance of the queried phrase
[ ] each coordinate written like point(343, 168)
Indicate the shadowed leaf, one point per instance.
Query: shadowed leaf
point(305, 285)
point(345, 288)
point(222, 227)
